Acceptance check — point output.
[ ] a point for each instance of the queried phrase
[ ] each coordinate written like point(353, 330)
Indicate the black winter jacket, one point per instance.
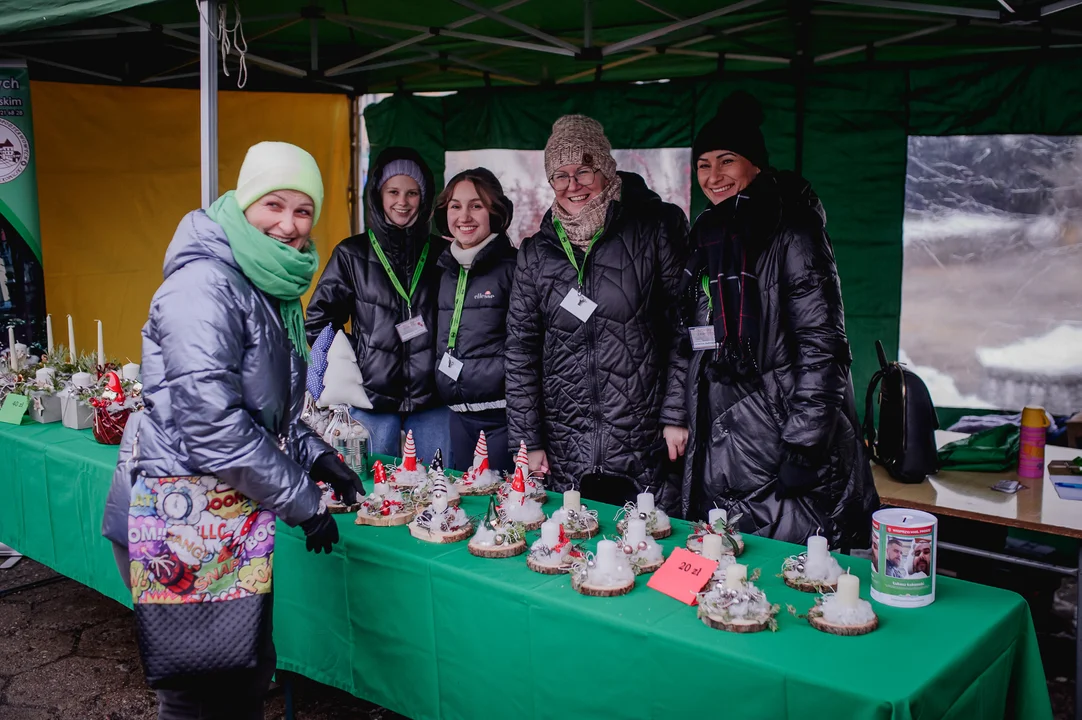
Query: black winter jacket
point(801, 406)
point(594, 395)
point(482, 331)
point(398, 377)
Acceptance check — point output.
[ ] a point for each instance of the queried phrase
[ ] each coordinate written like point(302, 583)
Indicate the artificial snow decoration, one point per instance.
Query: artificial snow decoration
point(385, 505)
point(800, 574)
point(409, 474)
point(480, 479)
point(606, 574)
point(718, 523)
point(657, 522)
point(441, 522)
point(639, 549)
point(518, 508)
point(736, 605)
point(831, 615)
point(497, 538)
point(579, 521)
point(553, 552)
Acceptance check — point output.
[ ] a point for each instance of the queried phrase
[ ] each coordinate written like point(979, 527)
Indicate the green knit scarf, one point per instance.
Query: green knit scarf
point(272, 266)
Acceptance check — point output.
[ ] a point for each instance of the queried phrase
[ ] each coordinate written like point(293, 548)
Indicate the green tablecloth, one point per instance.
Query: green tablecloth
point(430, 631)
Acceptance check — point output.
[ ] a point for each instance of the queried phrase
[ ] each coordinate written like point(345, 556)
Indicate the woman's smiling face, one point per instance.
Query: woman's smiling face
point(722, 174)
point(401, 199)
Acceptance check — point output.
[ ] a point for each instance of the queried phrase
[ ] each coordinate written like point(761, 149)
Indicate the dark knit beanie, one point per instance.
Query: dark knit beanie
point(735, 128)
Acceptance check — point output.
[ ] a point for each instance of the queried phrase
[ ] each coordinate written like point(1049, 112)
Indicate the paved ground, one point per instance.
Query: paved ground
point(69, 653)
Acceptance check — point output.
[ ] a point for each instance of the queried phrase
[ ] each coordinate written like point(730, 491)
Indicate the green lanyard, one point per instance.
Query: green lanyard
point(460, 299)
point(706, 291)
point(571, 253)
point(417, 271)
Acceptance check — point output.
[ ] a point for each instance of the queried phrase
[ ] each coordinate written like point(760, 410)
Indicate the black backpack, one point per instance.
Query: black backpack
point(905, 443)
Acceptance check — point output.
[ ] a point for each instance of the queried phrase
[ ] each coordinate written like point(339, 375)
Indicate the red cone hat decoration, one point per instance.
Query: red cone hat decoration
point(379, 473)
point(522, 460)
point(409, 461)
point(480, 454)
point(519, 483)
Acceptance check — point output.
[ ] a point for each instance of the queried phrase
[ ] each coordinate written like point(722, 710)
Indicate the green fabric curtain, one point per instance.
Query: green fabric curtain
point(17, 15)
point(854, 129)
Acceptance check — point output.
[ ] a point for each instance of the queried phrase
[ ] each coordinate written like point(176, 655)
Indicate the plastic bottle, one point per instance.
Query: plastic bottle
point(1031, 447)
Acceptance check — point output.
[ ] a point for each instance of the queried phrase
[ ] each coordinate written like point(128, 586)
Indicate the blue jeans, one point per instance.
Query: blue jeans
point(431, 430)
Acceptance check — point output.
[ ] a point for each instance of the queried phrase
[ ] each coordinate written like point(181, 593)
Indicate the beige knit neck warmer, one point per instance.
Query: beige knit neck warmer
point(580, 228)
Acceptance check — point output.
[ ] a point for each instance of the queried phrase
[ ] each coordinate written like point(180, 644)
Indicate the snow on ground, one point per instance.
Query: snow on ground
point(1056, 353)
point(941, 386)
point(935, 227)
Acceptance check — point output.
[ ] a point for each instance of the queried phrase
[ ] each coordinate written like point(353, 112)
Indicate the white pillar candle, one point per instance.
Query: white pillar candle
point(44, 376)
point(636, 531)
point(817, 547)
point(130, 371)
point(13, 362)
point(101, 347)
point(49, 333)
point(716, 514)
point(550, 533)
point(645, 502)
point(735, 575)
point(71, 340)
point(713, 547)
point(572, 500)
point(605, 558)
point(82, 379)
point(848, 589)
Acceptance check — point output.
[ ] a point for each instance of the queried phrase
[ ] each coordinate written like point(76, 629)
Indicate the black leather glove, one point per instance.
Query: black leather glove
point(320, 532)
point(329, 468)
point(797, 474)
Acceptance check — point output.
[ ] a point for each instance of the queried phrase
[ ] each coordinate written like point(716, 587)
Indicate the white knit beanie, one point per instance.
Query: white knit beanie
point(271, 166)
point(579, 140)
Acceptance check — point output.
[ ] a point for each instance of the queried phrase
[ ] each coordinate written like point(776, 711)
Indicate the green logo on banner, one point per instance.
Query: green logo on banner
point(18, 179)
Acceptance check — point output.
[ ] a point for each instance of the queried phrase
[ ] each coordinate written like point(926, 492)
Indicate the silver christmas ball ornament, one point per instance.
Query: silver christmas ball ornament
point(499, 539)
point(642, 516)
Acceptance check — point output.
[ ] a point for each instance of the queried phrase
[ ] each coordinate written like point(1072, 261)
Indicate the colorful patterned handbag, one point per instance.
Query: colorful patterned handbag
point(201, 557)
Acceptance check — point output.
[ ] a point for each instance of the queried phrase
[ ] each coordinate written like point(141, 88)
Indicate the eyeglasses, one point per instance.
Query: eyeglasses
point(583, 176)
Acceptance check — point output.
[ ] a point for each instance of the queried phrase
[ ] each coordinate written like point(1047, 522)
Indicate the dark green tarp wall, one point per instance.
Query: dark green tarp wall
point(855, 125)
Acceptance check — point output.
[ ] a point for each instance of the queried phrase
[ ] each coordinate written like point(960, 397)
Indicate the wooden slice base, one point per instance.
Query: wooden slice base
point(819, 623)
point(547, 569)
point(697, 547)
point(428, 536)
point(535, 525)
point(656, 534)
point(808, 586)
point(469, 490)
point(595, 591)
point(584, 534)
point(499, 551)
point(385, 520)
point(739, 626)
point(643, 570)
point(343, 509)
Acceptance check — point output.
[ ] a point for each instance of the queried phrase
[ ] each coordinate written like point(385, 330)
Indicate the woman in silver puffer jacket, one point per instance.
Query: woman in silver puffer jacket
point(220, 449)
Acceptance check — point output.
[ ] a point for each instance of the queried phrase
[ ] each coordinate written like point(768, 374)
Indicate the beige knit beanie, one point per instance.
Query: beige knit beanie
point(579, 140)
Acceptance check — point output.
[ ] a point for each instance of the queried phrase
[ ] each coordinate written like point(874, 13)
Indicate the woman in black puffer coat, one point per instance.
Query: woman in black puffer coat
point(470, 376)
point(598, 397)
point(774, 433)
point(398, 380)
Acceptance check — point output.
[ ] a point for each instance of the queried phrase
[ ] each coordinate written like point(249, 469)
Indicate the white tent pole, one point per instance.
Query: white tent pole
point(208, 101)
